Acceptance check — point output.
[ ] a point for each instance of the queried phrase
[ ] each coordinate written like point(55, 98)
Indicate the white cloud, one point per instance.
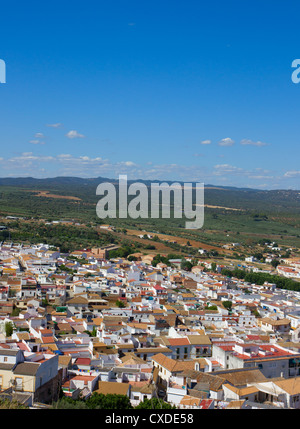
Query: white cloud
point(292, 173)
point(206, 142)
point(64, 156)
point(260, 177)
point(80, 160)
point(36, 142)
point(66, 164)
point(37, 139)
point(73, 134)
point(221, 169)
point(128, 163)
point(57, 125)
point(39, 135)
point(226, 142)
point(252, 143)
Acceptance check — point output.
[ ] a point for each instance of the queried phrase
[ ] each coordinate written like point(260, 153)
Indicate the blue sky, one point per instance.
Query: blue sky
point(192, 91)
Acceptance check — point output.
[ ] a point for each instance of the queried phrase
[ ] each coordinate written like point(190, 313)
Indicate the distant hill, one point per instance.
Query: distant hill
point(268, 201)
point(231, 214)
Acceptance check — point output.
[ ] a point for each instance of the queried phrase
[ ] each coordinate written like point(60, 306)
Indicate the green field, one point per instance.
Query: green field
point(272, 215)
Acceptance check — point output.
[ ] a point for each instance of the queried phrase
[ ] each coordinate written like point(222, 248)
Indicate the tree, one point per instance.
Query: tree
point(9, 329)
point(120, 304)
point(258, 255)
point(158, 258)
point(154, 404)
point(227, 305)
point(186, 265)
point(45, 302)
point(211, 307)
point(69, 403)
point(95, 401)
point(275, 263)
point(108, 402)
point(94, 332)
point(16, 311)
point(7, 404)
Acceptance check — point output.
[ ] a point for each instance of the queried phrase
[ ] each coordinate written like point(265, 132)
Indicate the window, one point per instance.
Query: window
point(19, 383)
point(185, 353)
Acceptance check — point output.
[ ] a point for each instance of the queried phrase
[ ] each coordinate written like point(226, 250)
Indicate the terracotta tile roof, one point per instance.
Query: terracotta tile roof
point(199, 339)
point(243, 391)
point(190, 401)
point(236, 405)
point(106, 387)
point(78, 300)
point(290, 385)
point(243, 377)
point(174, 365)
point(83, 361)
point(179, 342)
point(26, 368)
point(214, 382)
point(274, 322)
point(64, 360)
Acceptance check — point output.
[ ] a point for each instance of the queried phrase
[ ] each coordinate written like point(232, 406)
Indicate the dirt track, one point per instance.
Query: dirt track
point(178, 240)
point(48, 195)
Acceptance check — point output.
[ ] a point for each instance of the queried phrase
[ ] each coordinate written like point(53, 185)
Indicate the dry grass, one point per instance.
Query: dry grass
point(48, 195)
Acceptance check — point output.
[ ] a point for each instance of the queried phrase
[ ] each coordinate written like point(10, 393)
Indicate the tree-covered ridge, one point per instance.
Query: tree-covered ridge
point(109, 402)
point(261, 278)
